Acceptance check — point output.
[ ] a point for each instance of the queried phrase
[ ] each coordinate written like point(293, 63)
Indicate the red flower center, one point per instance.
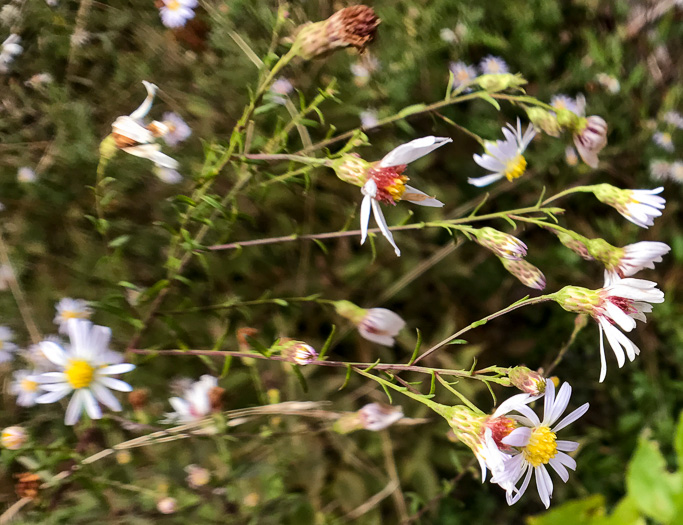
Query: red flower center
point(390, 183)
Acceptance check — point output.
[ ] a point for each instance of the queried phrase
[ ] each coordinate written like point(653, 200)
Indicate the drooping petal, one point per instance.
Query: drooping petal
point(147, 103)
point(365, 208)
point(603, 362)
point(485, 180)
point(419, 197)
point(413, 150)
point(382, 223)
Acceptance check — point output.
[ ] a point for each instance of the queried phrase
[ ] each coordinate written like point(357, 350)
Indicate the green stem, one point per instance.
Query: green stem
point(577, 189)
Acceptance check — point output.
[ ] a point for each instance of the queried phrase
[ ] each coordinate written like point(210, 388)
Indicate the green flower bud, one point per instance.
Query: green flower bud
point(500, 82)
point(544, 120)
point(352, 169)
point(578, 300)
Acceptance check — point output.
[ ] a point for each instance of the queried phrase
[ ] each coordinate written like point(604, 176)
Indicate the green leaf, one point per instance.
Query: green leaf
point(678, 441)
point(649, 484)
point(588, 511)
point(328, 343)
point(417, 347)
point(458, 341)
point(490, 100)
point(410, 110)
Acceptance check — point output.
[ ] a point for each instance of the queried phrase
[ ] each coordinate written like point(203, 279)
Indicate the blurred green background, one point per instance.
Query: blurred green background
point(296, 470)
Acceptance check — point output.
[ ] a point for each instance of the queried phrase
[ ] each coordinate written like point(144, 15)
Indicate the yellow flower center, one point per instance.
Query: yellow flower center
point(665, 138)
point(515, 167)
point(28, 386)
point(69, 314)
point(79, 373)
point(542, 446)
point(173, 5)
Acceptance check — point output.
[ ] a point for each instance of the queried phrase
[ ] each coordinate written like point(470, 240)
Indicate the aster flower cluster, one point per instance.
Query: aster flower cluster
point(465, 74)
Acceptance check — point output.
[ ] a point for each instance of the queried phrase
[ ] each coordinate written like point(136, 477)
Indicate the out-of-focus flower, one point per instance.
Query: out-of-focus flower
point(544, 120)
point(609, 82)
point(167, 175)
point(618, 304)
point(564, 102)
point(590, 138)
point(24, 387)
point(502, 244)
point(570, 156)
point(353, 26)
point(9, 50)
point(36, 358)
point(195, 403)
point(176, 13)
point(197, 476)
point(26, 175)
point(124, 457)
point(448, 35)
point(463, 74)
point(676, 171)
point(132, 137)
point(660, 170)
point(13, 438)
point(384, 182)
point(7, 347)
point(298, 351)
point(68, 308)
point(368, 118)
point(167, 505)
point(85, 371)
point(378, 325)
point(638, 206)
point(505, 157)
point(280, 89)
point(363, 69)
point(178, 130)
point(526, 272)
point(79, 37)
point(9, 15)
point(492, 65)
point(536, 445)
point(629, 260)
point(6, 276)
point(664, 140)
point(378, 416)
point(39, 79)
point(674, 118)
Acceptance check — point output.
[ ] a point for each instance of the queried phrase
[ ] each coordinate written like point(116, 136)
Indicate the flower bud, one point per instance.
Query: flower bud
point(577, 299)
point(526, 272)
point(544, 120)
point(352, 169)
point(167, 505)
point(604, 252)
point(500, 82)
point(576, 243)
point(527, 380)
point(502, 244)
point(297, 351)
point(567, 119)
point(13, 438)
point(352, 26)
point(378, 416)
point(590, 138)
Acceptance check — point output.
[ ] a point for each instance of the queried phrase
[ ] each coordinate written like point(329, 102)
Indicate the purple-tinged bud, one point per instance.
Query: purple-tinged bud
point(590, 138)
point(297, 351)
point(576, 243)
point(526, 272)
point(527, 380)
point(502, 244)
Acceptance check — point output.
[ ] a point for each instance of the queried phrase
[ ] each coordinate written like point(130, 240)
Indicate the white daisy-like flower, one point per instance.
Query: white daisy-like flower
point(378, 416)
point(6, 276)
point(664, 140)
point(635, 257)
point(368, 118)
point(68, 308)
point(536, 445)
point(85, 372)
point(176, 13)
point(178, 130)
point(24, 387)
point(26, 175)
point(301, 353)
point(505, 157)
point(195, 403)
point(167, 175)
point(7, 347)
point(9, 50)
point(35, 357)
point(463, 74)
point(676, 171)
point(674, 118)
point(131, 136)
point(615, 306)
point(575, 105)
point(380, 326)
point(660, 170)
point(13, 438)
point(638, 206)
point(493, 65)
point(385, 183)
point(591, 139)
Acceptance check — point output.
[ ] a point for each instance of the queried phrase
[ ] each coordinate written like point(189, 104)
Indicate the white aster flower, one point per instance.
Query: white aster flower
point(362, 69)
point(463, 74)
point(664, 140)
point(676, 171)
point(575, 105)
point(26, 175)
point(536, 445)
point(7, 347)
point(635, 257)
point(195, 403)
point(178, 130)
point(13, 438)
point(638, 206)
point(24, 387)
point(591, 139)
point(385, 183)
point(131, 136)
point(85, 372)
point(378, 416)
point(176, 13)
point(674, 118)
point(492, 65)
point(280, 89)
point(505, 157)
point(660, 170)
point(68, 308)
point(380, 326)
point(9, 49)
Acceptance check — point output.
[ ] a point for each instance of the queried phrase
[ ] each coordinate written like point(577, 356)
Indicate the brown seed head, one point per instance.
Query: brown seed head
point(216, 398)
point(27, 485)
point(138, 398)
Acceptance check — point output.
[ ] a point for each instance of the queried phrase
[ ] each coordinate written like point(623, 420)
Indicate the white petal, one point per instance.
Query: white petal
point(364, 217)
point(73, 411)
point(115, 384)
point(379, 218)
point(132, 130)
point(106, 397)
point(566, 460)
point(519, 437)
point(566, 446)
point(514, 499)
point(485, 180)
point(419, 197)
point(147, 103)
point(413, 150)
point(560, 469)
point(613, 341)
point(570, 418)
point(560, 405)
point(51, 397)
point(544, 485)
point(90, 403)
point(603, 362)
point(54, 352)
point(153, 153)
point(79, 330)
point(116, 369)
